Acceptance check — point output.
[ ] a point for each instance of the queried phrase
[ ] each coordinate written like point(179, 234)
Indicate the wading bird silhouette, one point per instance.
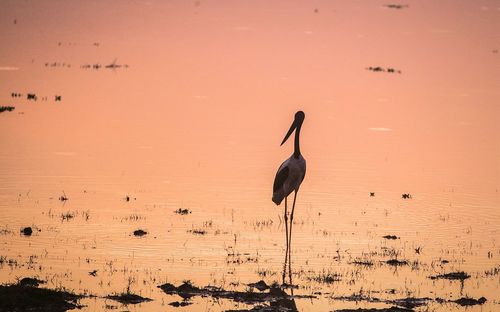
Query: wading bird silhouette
point(290, 175)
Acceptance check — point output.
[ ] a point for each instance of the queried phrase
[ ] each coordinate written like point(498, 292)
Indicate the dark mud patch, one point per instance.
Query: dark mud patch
point(186, 290)
point(140, 233)
point(452, 276)
point(25, 296)
point(470, 301)
point(127, 298)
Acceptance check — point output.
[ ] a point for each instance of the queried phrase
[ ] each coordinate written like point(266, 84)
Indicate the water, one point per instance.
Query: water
point(195, 122)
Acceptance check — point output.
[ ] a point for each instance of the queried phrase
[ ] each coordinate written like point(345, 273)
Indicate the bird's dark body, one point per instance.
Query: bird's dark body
point(290, 175)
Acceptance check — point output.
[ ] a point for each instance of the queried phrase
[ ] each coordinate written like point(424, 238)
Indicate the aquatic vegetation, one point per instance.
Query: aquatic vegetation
point(26, 296)
point(381, 69)
point(452, 276)
point(187, 290)
point(396, 262)
point(391, 309)
point(198, 231)
point(326, 277)
point(182, 211)
point(6, 108)
point(466, 301)
point(140, 232)
point(30, 281)
point(260, 285)
point(68, 215)
point(362, 262)
point(128, 298)
point(390, 237)
point(27, 231)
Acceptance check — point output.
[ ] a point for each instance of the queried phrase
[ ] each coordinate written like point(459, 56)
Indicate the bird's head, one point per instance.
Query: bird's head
point(296, 124)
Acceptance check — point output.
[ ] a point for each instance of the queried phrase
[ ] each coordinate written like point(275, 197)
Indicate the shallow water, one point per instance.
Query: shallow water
point(195, 122)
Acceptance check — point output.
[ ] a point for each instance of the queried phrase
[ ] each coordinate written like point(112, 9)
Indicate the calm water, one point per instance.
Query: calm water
point(195, 122)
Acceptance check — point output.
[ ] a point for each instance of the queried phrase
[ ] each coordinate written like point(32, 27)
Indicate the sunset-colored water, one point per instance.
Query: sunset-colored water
point(398, 100)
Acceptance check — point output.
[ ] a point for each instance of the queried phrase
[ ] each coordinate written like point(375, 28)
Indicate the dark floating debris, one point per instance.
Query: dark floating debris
point(27, 231)
point(372, 194)
point(406, 196)
point(15, 95)
point(93, 273)
point(182, 211)
point(57, 98)
point(140, 232)
point(6, 109)
point(25, 296)
point(396, 262)
point(397, 6)
point(452, 276)
point(381, 69)
point(127, 298)
point(390, 237)
point(470, 301)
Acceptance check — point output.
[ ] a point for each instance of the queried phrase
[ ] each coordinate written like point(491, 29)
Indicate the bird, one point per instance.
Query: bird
point(288, 179)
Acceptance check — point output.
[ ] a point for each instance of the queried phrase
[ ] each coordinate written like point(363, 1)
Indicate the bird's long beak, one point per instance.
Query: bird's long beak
point(292, 128)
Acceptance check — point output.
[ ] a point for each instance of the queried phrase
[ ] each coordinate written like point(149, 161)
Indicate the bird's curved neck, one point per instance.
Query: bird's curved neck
point(296, 150)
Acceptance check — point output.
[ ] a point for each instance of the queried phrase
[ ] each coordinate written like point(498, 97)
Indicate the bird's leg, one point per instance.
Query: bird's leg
point(290, 240)
point(286, 234)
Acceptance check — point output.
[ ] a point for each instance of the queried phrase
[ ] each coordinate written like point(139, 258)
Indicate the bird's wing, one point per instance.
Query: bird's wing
point(280, 178)
point(304, 175)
